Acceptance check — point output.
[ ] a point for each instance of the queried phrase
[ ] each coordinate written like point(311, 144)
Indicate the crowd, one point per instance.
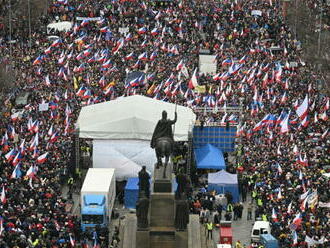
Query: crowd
point(284, 157)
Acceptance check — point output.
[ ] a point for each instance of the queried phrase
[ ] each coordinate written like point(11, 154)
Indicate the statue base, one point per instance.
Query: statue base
point(162, 184)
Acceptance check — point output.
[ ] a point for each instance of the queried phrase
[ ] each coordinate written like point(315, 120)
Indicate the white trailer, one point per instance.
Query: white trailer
point(97, 197)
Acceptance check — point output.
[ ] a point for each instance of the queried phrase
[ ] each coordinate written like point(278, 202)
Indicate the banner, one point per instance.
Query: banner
point(123, 30)
point(256, 12)
point(79, 18)
point(43, 107)
point(324, 204)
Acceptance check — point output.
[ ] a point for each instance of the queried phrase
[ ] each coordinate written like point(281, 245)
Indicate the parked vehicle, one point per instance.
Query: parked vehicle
point(268, 241)
point(226, 233)
point(260, 227)
point(98, 195)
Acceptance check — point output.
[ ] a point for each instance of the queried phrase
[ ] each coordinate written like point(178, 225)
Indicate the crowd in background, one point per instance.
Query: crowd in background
point(89, 64)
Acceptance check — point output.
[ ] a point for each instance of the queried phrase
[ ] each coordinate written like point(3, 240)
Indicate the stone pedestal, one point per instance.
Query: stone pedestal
point(161, 184)
point(142, 239)
point(161, 232)
point(162, 207)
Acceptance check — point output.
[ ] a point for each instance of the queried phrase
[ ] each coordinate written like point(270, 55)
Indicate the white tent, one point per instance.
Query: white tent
point(126, 156)
point(133, 117)
point(122, 129)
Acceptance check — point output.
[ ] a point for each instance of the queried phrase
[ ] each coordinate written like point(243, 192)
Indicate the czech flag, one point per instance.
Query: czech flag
point(17, 158)
point(153, 56)
point(143, 56)
point(17, 172)
point(129, 56)
point(3, 196)
point(142, 30)
point(155, 32)
point(56, 43)
point(38, 60)
point(42, 158)
point(104, 29)
point(84, 23)
point(10, 155)
point(107, 64)
point(31, 171)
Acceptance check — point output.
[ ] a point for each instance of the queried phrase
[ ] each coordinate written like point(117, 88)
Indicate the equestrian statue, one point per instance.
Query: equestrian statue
point(162, 140)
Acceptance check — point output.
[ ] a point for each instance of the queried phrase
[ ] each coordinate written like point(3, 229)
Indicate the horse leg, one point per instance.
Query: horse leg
point(166, 162)
point(159, 162)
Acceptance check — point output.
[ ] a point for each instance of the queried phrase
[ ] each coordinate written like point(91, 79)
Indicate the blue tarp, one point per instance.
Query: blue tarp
point(221, 137)
point(209, 157)
point(223, 182)
point(131, 192)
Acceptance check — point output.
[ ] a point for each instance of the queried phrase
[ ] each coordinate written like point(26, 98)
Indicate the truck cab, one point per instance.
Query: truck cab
point(93, 212)
point(260, 227)
point(97, 197)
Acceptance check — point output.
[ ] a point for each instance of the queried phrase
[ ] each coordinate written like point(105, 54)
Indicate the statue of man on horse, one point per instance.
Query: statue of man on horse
point(162, 139)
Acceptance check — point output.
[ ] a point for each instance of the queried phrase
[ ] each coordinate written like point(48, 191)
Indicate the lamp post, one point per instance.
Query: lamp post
point(10, 30)
point(29, 10)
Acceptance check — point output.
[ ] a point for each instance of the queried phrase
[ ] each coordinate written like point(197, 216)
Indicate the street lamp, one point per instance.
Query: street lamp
point(29, 10)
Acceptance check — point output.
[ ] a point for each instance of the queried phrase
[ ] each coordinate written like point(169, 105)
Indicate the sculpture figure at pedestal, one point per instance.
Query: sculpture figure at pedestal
point(162, 139)
point(144, 181)
point(142, 208)
point(182, 213)
point(181, 180)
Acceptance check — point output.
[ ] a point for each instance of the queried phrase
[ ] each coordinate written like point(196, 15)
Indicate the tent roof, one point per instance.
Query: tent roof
point(209, 157)
point(222, 177)
point(133, 117)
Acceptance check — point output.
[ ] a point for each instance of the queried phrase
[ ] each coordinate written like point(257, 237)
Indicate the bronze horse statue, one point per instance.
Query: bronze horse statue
point(164, 147)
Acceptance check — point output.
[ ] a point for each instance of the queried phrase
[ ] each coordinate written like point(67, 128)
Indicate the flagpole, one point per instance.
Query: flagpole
point(176, 105)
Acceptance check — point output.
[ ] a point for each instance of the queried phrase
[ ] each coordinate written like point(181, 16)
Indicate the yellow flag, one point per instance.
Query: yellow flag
point(75, 83)
point(200, 88)
point(151, 89)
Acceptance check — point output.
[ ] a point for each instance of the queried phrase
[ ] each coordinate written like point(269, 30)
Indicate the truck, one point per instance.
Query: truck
point(97, 198)
point(225, 233)
point(268, 241)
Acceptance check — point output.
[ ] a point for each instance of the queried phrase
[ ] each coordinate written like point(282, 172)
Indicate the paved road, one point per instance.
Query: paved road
point(241, 228)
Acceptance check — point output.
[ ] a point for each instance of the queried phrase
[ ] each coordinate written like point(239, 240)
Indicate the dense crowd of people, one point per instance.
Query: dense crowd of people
point(283, 155)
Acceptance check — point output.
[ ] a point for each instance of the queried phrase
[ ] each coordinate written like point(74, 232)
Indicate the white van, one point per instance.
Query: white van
point(259, 227)
point(223, 246)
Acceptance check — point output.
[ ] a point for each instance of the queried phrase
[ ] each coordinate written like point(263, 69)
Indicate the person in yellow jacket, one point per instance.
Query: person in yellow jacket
point(209, 228)
point(238, 244)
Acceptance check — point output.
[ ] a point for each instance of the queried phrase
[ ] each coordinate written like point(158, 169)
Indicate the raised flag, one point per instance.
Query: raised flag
point(130, 56)
point(289, 208)
point(294, 238)
point(143, 56)
point(142, 30)
point(16, 172)
point(119, 45)
point(42, 158)
point(274, 215)
point(193, 81)
point(72, 241)
point(285, 124)
point(325, 134)
point(10, 155)
point(3, 197)
point(31, 171)
point(302, 110)
point(17, 159)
